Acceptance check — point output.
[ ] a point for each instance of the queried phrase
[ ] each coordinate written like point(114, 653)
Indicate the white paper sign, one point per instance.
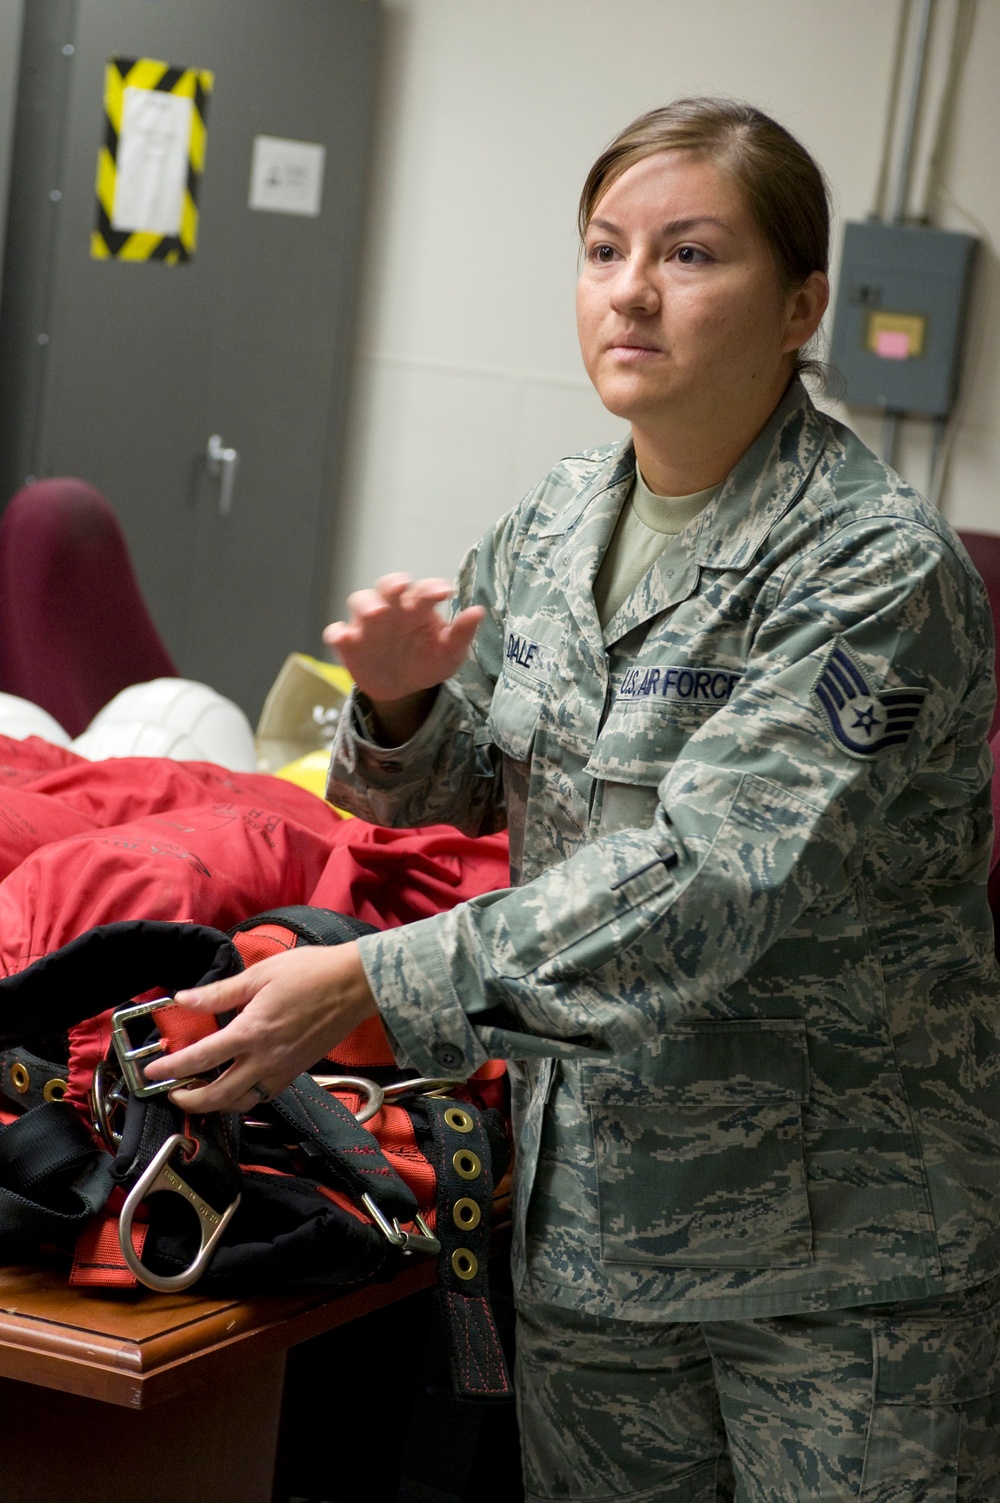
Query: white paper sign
point(286, 177)
point(153, 146)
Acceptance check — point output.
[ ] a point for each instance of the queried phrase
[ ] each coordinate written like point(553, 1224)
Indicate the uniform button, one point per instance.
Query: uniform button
point(448, 1056)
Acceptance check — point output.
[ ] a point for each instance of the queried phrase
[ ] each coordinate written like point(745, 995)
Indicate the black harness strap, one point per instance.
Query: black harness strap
point(53, 1178)
point(25, 1079)
point(355, 1162)
point(314, 926)
point(462, 1157)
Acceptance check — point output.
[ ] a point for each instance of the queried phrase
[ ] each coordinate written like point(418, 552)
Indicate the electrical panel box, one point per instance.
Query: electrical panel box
point(900, 316)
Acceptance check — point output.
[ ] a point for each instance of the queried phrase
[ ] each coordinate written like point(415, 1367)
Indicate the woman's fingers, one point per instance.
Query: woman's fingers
point(237, 1090)
point(463, 628)
point(200, 1057)
point(396, 643)
point(294, 1008)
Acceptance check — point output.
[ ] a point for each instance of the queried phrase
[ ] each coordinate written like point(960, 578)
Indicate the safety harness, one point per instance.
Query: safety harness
point(355, 1168)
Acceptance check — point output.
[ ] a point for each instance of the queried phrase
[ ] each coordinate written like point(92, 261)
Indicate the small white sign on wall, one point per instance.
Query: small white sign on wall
point(286, 177)
point(153, 145)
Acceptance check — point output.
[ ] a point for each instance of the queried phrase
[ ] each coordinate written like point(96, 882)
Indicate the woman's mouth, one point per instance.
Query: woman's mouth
point(634, 352)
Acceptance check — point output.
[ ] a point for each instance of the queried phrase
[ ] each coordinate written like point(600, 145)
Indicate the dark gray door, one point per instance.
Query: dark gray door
point(141, 364)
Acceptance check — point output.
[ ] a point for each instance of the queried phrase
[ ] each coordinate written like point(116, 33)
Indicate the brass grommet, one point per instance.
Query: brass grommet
point(19, 1078)
point(467, 1164)
point(458, 1120)
point(466, 1214)
point(55, 1089)
point(465, 1263)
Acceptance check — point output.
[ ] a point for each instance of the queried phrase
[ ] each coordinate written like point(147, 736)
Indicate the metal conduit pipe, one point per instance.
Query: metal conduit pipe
point(910, 130)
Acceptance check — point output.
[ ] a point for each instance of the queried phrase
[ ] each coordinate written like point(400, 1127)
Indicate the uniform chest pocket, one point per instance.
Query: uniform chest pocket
point(655, 712)
point(514, 712)
point(638, 744)
point(701, 1166)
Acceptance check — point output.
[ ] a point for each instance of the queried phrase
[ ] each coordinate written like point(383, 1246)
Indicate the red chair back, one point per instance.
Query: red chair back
point(984, 550)
point(74, 628)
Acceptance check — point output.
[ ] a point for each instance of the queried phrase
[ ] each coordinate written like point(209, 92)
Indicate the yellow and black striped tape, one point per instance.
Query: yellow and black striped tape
point(140, 245)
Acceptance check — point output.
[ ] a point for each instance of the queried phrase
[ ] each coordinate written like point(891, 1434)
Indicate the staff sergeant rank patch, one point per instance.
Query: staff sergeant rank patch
point(864, 723)
point(702, 686)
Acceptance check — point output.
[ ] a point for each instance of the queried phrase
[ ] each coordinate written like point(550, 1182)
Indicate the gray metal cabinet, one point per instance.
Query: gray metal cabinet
point(123, 372)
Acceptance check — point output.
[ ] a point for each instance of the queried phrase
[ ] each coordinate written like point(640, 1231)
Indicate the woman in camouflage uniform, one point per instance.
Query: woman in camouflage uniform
point(729, 688)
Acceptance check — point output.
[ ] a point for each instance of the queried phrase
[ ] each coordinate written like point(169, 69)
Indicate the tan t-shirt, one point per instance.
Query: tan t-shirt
point(644, 529)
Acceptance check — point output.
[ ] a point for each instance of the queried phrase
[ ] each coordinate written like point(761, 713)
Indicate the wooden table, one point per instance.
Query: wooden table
point(152, 1398)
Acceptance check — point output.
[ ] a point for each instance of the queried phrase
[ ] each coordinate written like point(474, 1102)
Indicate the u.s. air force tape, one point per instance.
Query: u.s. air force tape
point(687, 685)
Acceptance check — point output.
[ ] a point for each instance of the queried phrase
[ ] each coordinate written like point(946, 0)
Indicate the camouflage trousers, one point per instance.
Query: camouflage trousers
point(886, 1404)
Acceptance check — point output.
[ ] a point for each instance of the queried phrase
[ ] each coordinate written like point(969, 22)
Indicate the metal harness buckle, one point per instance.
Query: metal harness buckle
point(160, 1177)
point(130, 1057)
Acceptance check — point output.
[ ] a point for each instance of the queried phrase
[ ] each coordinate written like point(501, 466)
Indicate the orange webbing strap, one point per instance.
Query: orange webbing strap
point(264, 941)
point(366, 1046)
point(179, 1026)
point(98, 1261)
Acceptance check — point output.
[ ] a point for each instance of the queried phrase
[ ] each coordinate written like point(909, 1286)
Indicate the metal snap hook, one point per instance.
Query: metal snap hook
point(160, 1177)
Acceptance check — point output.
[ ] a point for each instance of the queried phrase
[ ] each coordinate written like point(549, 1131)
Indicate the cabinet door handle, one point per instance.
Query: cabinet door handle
point(222, 462)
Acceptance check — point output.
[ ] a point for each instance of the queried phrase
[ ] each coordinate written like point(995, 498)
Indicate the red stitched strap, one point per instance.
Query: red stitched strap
point(98, 1262)
point(475, 1346)
point(179, 1026)
point(266, 940)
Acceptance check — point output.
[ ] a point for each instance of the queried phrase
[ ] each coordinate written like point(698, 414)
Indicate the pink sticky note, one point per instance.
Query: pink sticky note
point(892, 344)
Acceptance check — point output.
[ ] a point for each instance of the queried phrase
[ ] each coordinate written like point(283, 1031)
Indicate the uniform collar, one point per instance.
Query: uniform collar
point(763, 485)
point(758, 492)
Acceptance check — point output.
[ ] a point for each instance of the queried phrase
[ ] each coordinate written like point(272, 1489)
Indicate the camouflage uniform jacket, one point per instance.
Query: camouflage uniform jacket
point(746, 965)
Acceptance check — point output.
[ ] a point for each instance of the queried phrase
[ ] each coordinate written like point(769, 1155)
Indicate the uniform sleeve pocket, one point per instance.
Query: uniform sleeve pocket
point(700, 1163)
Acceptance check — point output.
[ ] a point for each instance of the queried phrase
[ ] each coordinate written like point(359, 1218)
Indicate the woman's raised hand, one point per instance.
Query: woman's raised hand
point(395, 644)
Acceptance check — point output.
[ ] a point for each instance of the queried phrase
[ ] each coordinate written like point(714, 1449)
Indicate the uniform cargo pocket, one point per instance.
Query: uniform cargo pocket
point(700, 1163)
point(936, 1410)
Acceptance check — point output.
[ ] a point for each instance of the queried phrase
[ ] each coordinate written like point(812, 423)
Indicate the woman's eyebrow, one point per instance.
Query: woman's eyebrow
point(682, 226)
point(672, 227)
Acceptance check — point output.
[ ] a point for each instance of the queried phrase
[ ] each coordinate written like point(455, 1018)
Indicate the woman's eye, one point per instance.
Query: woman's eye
point(690, 255)
point(602, 254)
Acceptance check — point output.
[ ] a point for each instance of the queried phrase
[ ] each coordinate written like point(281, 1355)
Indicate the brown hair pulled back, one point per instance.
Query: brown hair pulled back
point(784, 188)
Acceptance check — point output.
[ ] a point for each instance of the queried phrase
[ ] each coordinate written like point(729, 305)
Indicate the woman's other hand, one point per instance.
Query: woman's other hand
point(395, 643)
point(292, 1009)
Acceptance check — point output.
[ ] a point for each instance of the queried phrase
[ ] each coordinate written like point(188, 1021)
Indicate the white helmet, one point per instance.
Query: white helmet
point(171, 717)
point(19, 718)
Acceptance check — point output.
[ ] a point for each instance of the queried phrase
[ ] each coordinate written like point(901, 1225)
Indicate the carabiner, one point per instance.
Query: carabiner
point(361, 1086)
point(407, 1242)
point(159, 1177)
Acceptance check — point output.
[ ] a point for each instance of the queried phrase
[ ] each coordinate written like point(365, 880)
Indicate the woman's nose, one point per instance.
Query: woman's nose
point(634, 289)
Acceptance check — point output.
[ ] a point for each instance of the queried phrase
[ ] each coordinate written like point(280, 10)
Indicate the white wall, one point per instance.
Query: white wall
point(469, 382)
point(11, 16)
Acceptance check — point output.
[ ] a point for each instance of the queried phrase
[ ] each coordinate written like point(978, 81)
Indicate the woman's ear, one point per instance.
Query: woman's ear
point(806, 307)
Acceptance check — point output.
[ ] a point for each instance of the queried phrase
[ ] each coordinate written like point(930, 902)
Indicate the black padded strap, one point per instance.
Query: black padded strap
point(24, 1077)
point(314, 926)
point(53, 1178)
point(42, 1145)
point(105, 967)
